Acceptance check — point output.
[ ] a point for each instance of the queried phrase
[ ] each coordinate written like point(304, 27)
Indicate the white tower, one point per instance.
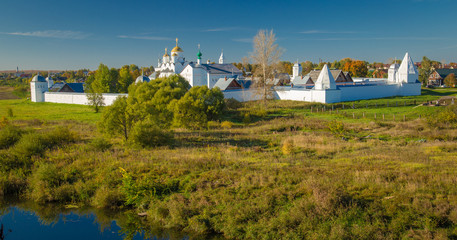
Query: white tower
point(296, 70)
point(49, 80)
point(221, 58)
point(407, 72)
point(38, 86)
point(325, 80)
point(393, 72)
point(199, 56)
point(166, 57)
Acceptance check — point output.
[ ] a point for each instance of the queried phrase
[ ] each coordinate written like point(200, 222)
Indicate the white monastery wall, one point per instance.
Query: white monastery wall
point(78, 98)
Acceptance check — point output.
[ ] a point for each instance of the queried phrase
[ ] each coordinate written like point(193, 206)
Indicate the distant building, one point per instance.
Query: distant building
point(437, 77)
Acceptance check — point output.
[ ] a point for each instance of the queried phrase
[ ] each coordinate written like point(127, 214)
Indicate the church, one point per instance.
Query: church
point(196, 73)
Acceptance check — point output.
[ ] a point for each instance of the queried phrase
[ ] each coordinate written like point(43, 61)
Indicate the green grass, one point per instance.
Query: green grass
point(25, 110)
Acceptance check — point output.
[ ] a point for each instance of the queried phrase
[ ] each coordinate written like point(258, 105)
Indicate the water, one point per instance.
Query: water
point(57, 223)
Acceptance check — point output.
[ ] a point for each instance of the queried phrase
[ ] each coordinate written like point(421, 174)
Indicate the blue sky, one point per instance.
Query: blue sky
point(68, 34)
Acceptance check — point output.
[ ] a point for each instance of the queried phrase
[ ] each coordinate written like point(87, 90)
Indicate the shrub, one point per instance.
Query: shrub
point(148, 134)
point(445, 118)
point(337, 129)
point(9, 135)
point(100, 144)
point(9, 112)
point(247, 118)
point(212, 125)
point(288, 147)
point(226, 124)
point(31, 144)
point(106, 197)
point(232, 104)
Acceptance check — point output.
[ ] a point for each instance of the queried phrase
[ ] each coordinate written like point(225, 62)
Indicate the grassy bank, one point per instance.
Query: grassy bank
point(286, 173)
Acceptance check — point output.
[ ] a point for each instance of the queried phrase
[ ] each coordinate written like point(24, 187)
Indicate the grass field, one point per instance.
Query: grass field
point(286, 174)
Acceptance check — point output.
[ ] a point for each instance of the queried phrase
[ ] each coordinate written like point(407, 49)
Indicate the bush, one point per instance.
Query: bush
point(226, 124)
point(212, 125)
point(100, 144)
point(232, 104)
point(108, 198)
point(9, 112)
point(288, 147)
point(148, 134)
point(9, 135)
point(444, 118)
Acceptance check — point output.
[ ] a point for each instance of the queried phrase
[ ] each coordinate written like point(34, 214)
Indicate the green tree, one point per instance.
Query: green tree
point(450, 80)
point(95, 99)
point(125, 79)
point(198, 106)
point(425, 70)
point(102, 79)
point(306, 67)
point(117, 119)
point(151, 100)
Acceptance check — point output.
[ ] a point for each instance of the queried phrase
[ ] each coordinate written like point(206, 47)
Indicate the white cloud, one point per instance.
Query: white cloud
point(154, 38)
point(52, 34)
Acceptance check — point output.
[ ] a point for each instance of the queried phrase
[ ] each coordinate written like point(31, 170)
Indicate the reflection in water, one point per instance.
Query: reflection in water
point(31, 221)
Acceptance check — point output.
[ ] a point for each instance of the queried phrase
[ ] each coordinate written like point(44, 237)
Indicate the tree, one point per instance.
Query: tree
point(358, 68)
point(125, 79)
point(101, 80)
point(425, 70)
point(151, 100)
point(96, 100)
point(306, 67)
point(266, 55)
point(198, 106)
point(450, 80)
point(117, 119)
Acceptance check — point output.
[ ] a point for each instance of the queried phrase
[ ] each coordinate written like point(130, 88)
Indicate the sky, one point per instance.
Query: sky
point(70, 34)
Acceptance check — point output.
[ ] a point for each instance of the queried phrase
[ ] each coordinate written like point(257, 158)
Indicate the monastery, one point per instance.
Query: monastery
point(324, 86)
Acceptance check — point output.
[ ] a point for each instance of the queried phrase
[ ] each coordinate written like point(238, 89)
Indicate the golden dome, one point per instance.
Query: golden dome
point(166, 53)
point(174, 54)
point(177, 49)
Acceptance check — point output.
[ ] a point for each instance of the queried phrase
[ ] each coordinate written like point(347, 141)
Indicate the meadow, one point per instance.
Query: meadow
point(282, 172)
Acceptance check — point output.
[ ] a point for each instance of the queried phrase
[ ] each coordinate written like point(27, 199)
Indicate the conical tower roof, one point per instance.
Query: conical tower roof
point(325, 80)
point(407, 65)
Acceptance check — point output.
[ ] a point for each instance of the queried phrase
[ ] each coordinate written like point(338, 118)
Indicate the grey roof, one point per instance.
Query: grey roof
point(77, 87)
point(223, 83)
point(444, 72)
point(298, 80)
point(56, 87)
point(226, 68)
point(38, 78)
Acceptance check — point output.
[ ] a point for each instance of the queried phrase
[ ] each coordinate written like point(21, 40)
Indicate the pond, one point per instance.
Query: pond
point(29, 221)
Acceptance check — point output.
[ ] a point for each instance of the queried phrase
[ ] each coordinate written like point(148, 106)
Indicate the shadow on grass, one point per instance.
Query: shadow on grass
point(432, 92)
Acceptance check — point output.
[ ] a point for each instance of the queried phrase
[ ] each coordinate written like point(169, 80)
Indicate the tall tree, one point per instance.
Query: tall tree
point(425, 70)
point(117, 119)
point(102, 79)
point(266, 55)
point(125, 79)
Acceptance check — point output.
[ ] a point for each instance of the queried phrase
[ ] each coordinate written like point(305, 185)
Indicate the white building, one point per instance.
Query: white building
point(172, 65)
